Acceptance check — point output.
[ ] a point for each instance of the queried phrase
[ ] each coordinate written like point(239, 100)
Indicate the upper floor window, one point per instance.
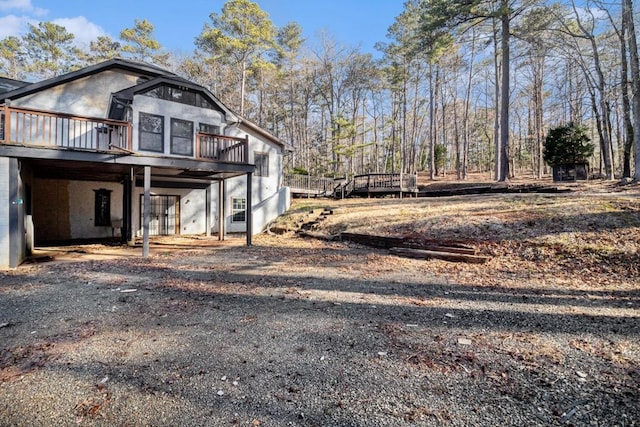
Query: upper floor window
point(182, 95)
point(262, 163)
point(151, 132)
point(207, 128)
point(181, 137)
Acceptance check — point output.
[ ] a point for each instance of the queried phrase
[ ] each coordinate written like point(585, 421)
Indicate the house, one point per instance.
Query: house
point(129, 149)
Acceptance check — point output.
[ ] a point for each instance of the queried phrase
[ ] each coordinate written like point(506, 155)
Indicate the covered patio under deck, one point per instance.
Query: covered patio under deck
point(143, 172)
point(61, 146)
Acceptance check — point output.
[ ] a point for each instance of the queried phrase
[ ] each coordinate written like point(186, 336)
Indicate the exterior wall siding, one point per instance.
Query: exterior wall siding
point(4, 213)
point(169, 110)
point(12, 218)
point(82, 208)
point(64, 210)
point(269, 198)
point(84, 97)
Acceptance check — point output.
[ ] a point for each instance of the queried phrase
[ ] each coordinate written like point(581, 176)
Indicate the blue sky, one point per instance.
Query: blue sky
point(349, 22)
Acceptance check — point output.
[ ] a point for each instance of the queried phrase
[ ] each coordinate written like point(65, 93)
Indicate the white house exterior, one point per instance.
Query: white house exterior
point(82, 155)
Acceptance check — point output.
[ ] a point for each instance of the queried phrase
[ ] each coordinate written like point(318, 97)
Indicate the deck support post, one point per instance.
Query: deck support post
point(207, 210)
point(128, 182)
point(17, 243)
point(147, 211)
point(221, 200)
point(249, 207)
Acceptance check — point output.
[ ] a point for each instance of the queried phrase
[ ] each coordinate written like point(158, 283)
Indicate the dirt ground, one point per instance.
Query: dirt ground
point(299, 331)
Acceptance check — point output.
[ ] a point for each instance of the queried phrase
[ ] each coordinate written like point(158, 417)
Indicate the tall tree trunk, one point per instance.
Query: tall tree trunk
point(497, 115)
point(538, 94)
point(635, 85)
point(432, 125)
point(531, 131)
point(403, 144)
point(456, 137)
point(626, 112)
point(243, 84)
point(504, 104)
point(603, 116)
point(414, 123)
point(261, 91)
point(467, 107)
point(444, 129)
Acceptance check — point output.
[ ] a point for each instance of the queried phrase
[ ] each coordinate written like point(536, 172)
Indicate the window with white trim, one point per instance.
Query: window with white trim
point(238, 209)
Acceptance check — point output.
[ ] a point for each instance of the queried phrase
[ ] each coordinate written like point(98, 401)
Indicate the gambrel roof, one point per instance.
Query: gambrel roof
point(7, 84)
point(154, 76)
point(117, 63)
point(126, 95)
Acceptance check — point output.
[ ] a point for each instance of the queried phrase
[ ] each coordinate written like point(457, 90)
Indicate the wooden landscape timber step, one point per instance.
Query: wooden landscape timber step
point(447, 256)
point(388, 242)
point(316, 235)
point(491, 189)
point(306, 229)
point(463, 191)
point(303, 222)
point(539, 189)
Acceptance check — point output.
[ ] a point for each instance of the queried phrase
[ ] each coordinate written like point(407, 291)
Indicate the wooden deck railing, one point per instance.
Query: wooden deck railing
point(222, 148)
point(57, 130)
point(36, 128)
point(382, 181)
point(309, 184)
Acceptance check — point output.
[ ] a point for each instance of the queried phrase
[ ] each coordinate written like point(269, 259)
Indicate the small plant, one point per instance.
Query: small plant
point(567, 144)
point(299, 171)
point(440, 156)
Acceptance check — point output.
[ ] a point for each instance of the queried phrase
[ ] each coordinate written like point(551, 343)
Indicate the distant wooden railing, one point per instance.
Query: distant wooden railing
point(222, 148)
point(57, 130)
point(308, 183)
point(381, 181)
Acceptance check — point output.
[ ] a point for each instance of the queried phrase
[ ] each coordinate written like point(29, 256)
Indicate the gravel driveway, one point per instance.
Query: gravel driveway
point(295, 332)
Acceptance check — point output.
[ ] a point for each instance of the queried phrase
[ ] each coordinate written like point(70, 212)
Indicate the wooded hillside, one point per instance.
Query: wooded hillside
point(456, 88)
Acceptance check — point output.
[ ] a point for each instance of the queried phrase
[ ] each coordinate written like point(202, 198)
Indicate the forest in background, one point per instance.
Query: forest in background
point(459, 87)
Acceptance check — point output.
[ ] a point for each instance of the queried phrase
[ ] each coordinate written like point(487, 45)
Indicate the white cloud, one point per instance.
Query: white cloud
point(15, 4)
point(591, 13)
point(26, 13)
point(84, 30)
point(21, 5)
point(12, 25)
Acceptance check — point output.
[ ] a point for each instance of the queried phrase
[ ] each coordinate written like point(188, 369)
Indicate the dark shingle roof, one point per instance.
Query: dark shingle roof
point(124, 64)
point(7, 85)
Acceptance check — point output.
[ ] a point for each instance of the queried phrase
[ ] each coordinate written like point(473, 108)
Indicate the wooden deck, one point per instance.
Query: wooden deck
point(41, 129)
point(384, 184)
point(367, 185)
point(310, 186)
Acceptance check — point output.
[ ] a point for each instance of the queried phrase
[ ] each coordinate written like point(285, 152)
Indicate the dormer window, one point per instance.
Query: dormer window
point(182, 95)
point(210, 129)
